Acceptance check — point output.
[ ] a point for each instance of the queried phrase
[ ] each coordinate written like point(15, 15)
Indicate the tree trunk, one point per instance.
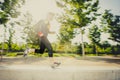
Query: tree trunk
point(83, 50)
point(4, 38)
point(96, 50)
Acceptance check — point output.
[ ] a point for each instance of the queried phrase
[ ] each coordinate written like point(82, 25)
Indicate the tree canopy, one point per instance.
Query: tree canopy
point(9, 9)
point(77, 14)
point(113, 25)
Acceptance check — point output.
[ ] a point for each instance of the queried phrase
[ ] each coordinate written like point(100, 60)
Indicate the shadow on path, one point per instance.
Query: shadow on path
point(108, 59)
point(21, 60)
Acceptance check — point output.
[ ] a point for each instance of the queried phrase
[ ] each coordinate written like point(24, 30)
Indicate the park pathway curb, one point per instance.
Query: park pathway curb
point(34, 72)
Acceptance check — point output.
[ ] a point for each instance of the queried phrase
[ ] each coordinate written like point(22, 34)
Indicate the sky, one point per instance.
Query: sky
point(114, 5)
point(39, 9)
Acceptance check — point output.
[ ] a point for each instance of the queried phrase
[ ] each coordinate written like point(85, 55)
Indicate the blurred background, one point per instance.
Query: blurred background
point(83, 27)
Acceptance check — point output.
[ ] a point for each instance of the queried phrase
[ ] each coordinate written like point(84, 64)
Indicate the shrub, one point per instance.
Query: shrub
point(56, 55)
point(108, 50)
point(44, 55)
point(11, 54)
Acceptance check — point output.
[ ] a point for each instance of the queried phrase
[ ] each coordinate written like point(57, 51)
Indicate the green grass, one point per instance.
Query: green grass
point(65, 55)
point(57, 55)
point(15, 54)
point(90, 54)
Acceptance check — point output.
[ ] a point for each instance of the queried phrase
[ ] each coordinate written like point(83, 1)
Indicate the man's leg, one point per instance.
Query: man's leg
point(47, 44)
point(42, 47)
point(50, 53)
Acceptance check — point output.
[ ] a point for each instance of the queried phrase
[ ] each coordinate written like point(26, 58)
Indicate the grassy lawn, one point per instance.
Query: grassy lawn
point(15, 54)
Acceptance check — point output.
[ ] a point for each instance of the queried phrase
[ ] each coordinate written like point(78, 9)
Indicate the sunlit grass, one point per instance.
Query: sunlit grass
point(15, 54)
point(11, 54)
point(58, 55)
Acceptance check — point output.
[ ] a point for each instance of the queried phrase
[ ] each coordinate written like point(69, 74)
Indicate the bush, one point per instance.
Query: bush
point(91, 54)
point(20, 53)
point(73, 55)
point(105, 51)
point(108, 50)
point(16, 47)
point(11, 54)
point(88, 50)
point(44, 55)
point(56, 55)
point(38, 55)
point(5, 45)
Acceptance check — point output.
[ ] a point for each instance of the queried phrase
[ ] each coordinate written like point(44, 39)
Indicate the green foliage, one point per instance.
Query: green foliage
point(105, 51)
point(31, 45)
point(11, 34)
point(30, 35)
point(79, 49)
point(16, 47)
point(45, 55)
point(89, 50)
point(90, 54)
point(11, 54)
point(64, 48)
point(5, 46)
point(3, 17)
point(94, 34)
point(76, 15)
point(37, 55)
point(77, 12)
point(65, 55)
point(54, 46)
point(56, 55)
point(66, 34)
point(113, 25)
point(9, 9)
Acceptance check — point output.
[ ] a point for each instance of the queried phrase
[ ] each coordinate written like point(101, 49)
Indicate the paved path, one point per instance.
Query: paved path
point(34, 68)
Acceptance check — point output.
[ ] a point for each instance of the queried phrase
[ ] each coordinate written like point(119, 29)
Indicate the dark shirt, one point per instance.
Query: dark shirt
point(42, 27)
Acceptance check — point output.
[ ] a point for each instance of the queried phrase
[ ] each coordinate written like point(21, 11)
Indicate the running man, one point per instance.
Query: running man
point(42, 29)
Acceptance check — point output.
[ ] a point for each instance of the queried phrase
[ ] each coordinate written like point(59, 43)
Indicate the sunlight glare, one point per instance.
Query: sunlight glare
point(40, 8)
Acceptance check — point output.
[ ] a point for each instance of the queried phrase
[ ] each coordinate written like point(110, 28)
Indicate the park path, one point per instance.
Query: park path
point(66, 61)
point(37, 68)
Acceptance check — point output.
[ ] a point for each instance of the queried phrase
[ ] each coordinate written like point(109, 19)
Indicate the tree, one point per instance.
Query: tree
point(9, 10)
point(105, 44)
point(28, 30)
point(11, 34)
point(94, 35)
point(111, 24)
point(66, 33)
point(77, 14)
